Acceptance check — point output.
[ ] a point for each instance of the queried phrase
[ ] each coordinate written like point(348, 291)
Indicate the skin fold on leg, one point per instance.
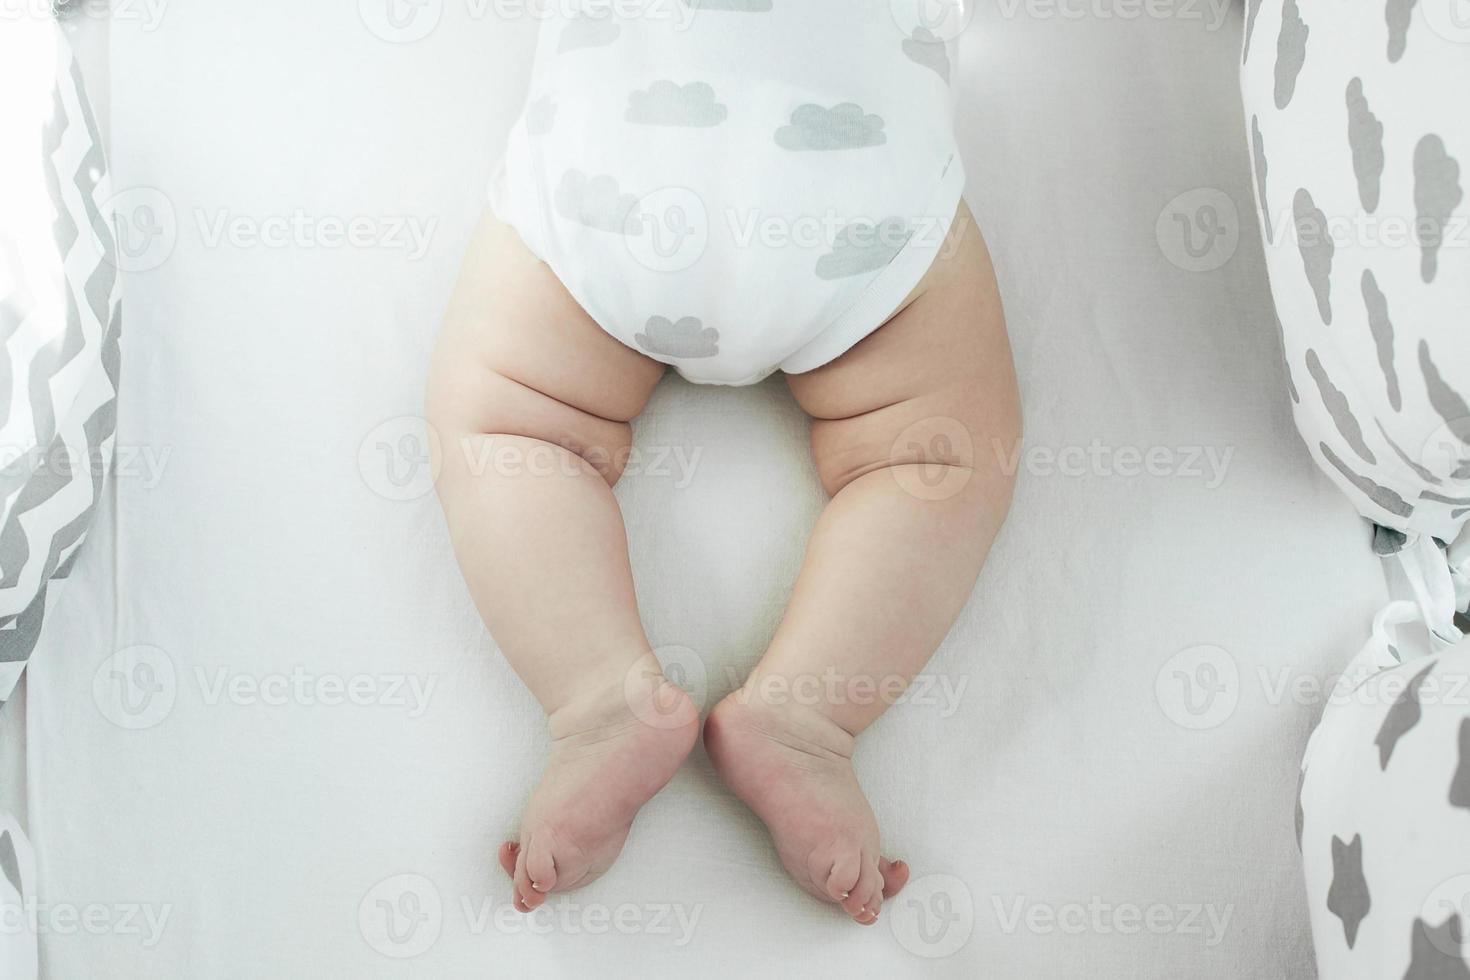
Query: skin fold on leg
point(910, 432)
point(531, 403)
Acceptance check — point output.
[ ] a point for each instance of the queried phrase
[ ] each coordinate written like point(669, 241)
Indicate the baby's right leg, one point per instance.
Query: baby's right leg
point(532, 401)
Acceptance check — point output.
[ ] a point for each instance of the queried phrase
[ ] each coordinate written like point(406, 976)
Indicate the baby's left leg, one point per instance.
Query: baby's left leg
point(911, 430)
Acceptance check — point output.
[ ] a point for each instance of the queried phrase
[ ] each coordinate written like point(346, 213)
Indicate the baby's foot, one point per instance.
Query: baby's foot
point(609, 755)
point(793, 767)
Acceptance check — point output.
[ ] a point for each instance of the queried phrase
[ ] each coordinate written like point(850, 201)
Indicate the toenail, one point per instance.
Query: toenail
point(537, 886)
point(846, 894)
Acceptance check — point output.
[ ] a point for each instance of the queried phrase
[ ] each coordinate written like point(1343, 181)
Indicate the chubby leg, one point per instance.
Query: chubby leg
point(531, 402)
point(905, 434)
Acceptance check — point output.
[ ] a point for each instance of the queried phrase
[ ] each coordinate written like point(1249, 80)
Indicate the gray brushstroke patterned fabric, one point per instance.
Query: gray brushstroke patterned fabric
point(1361, 146)
point(1381, 811)
point(1360, 142)
point(60, 320)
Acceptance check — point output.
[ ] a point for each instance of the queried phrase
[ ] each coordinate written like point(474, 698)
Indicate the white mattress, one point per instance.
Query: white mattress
point(1090, 824)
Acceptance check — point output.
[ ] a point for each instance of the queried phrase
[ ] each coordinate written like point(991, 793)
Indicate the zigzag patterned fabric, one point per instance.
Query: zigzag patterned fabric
point(60, 319)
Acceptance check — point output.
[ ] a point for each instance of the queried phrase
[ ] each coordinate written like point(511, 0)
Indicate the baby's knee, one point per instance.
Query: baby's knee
point(498, 426)
point(957, 446)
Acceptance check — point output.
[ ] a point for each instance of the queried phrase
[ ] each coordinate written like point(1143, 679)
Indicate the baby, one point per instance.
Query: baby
point(733, 188)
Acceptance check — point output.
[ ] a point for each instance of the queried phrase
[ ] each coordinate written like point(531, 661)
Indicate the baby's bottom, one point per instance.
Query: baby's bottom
point(532, 402)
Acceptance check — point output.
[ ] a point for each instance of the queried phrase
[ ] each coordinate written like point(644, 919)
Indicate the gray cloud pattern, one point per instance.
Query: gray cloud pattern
point(1448, 402)
point(1382, 496)
point(667, 103)
point(842, 127)
point(1419, 471)
point(1365, 136)
point(1258, 157)
point(924, 48)
point(686, 337)
point(1291, 52)
point(1398, 15)
point(863, 247)
point(1253, 7)
point(1285, 362)
point(1317, 248)
point(1437, 193)
point(1403, 716)
point(596, 202)
point(1382, 326)
point(587, 32)
point(1340, 409)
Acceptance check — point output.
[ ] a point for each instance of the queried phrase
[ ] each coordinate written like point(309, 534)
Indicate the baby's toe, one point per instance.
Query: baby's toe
point(861, 888)
point(527, 899)
point(843, 879)
point(507, 856)
point(869, 893)
point(895, 876)
point(540, 867)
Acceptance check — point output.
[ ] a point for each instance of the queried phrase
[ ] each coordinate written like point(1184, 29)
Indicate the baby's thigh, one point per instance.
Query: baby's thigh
point(934, 384)
point(518, 356)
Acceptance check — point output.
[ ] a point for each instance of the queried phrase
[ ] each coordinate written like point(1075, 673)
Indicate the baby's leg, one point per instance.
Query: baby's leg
point(531, 401)
point(906, 432)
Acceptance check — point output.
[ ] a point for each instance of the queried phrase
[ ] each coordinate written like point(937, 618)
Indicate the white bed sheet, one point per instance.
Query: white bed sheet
point(1064, 785)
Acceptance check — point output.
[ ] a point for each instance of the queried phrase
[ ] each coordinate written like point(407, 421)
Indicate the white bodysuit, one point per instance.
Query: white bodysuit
point(734, 187)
